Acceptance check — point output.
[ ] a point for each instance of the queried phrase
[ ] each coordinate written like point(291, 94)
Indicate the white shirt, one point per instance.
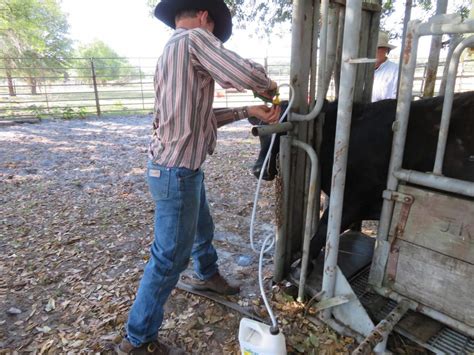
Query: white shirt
point(385, 81)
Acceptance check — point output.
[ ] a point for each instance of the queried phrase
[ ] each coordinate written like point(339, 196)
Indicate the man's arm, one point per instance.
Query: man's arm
point(226, 67)
point(228, 115)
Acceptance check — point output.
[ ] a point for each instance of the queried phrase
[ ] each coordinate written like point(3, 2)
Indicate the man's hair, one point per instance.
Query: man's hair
point(190, 14)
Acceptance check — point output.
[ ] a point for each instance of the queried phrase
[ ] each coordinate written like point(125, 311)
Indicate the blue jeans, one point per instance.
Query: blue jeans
point(183, 228)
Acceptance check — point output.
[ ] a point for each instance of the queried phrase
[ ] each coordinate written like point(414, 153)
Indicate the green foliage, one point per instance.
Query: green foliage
point(387, 8)
point(392, 13)
point(266, 14)
point(67, 113)
point(262, 15)
point(33, 39)
point(108, 64)
point(37, 111)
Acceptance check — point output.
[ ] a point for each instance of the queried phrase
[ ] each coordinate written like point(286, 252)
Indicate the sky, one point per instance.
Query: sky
point(127, 27)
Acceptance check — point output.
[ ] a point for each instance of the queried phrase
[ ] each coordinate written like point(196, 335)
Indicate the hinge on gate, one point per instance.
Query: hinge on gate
point(398, 197)
point(406, 201)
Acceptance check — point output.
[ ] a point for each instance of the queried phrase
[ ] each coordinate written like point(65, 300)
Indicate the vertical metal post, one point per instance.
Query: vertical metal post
point(433, 59)
point(297, 42)
point(314, 55)
point(406, 19)
point(454, 41)
point(96, 92)
point(401, 123)
point(309, 213)
point(340, 34)
point(448, 104)
point(312, 129)
point(331, 49)
point(344, 115)
point(398, 146)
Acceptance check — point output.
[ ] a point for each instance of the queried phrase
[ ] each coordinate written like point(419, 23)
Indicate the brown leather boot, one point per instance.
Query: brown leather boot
point(215, 283)
point(154, 347)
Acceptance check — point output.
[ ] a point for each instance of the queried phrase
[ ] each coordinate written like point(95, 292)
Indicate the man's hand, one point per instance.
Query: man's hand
point(265, 113)
point(270, 93)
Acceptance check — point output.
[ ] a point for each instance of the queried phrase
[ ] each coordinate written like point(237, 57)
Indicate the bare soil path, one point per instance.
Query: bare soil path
point(76, 225)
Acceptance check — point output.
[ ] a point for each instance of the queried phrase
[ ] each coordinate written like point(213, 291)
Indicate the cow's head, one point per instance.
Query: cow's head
point(271, 170)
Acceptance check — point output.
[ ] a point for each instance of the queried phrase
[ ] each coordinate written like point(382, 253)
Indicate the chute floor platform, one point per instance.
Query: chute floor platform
point(355, 255)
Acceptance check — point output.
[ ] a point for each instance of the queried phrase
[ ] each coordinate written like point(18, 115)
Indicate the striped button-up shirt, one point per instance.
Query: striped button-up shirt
point(185, 124)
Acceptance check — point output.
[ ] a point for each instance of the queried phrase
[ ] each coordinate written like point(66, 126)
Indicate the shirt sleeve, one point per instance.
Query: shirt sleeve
point(228, 115)
point(227, 68)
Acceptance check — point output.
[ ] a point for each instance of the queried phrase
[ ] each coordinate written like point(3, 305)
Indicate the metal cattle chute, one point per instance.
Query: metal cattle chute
point(419, 258)
point(410, 247)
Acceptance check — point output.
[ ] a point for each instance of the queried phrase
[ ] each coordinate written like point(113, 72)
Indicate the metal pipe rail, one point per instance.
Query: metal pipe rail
point(343, 126)
point(321, 93)
point(271, 129)
point(430, 312)
point(436, 182)
point(416, 29)
point(383, 329)
point(437, 25)
point(448, 103)
point(309, 213)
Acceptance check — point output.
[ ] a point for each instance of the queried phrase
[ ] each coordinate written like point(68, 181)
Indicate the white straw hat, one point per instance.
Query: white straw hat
point(383, 41)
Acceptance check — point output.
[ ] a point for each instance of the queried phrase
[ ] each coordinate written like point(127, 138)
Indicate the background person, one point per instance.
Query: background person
point(184, 132)
point(386, 72)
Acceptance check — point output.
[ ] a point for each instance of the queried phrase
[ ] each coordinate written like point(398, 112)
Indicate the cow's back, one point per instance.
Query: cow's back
point(423, 131)
point(371, 144)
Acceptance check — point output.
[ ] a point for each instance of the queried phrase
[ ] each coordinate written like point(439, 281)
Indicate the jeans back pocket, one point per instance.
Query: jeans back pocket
point(159, 182)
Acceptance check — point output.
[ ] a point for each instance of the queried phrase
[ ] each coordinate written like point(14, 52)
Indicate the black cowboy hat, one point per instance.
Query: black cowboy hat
point(166, 11)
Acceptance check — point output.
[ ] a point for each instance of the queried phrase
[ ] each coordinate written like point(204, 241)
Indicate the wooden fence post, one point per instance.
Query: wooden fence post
point(141, 82)
point(96, 93)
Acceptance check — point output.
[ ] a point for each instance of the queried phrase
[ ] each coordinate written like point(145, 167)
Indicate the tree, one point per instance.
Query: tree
point(108, 64)
point(392, 18)
point(263, 14)
point(33, 40)
point(268, 13)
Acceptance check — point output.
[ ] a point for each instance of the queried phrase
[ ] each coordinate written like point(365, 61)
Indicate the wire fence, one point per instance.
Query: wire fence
point(96, 86)
point(80, 87)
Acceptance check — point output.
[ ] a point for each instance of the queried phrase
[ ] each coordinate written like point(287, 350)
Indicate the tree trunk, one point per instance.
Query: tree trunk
point(11, 88)
point(33, 84)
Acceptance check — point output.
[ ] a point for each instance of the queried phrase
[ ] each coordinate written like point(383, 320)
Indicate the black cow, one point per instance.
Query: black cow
point(369, 153)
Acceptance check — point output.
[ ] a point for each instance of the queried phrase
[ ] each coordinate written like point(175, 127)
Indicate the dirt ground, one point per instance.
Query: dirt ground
point(75, 229)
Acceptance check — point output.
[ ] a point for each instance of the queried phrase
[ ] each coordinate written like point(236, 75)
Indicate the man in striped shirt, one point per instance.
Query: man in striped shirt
point(184, 132)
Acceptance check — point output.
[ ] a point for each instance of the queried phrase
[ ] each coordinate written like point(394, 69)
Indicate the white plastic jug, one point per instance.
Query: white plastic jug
point(255, 339)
